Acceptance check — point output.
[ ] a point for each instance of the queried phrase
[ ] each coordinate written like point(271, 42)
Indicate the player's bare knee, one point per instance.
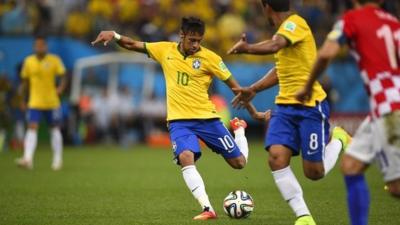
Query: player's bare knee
point(277, 162)
point(238, 163)
point(351, 166)
point(314, 174)
point(186, 158)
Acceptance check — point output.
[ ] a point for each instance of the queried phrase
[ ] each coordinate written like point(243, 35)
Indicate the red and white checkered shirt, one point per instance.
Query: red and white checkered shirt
point(374, 37)
point(384, 91)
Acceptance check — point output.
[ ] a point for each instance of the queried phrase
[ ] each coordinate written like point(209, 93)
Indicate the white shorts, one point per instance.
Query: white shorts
point(379, 140)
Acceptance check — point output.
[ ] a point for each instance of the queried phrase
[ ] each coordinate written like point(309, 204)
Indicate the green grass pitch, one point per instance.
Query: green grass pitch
point(106, 185)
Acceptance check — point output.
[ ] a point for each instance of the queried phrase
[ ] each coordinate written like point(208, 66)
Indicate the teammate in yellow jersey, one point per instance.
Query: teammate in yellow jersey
point(188, 69)
point(294, 126)
point(40, 72)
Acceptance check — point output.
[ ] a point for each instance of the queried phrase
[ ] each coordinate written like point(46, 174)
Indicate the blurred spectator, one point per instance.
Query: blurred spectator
point(15, 18)
point(78, 16)
point(154, 20)
point(101, 114)
point(44, 17)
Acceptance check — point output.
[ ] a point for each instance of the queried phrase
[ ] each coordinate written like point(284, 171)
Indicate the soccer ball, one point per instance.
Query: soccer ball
point(238, 204)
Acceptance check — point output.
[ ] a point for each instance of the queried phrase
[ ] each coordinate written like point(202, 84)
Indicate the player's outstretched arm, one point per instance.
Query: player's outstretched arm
point(106, 36)
point(246, 94)
point(261, 48)
point(327, 52)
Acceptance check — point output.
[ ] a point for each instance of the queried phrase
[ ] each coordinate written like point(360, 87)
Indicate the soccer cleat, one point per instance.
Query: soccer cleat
point(305, 220)
point(206, 215)
point(56, 165)
point(237, 123)
point(342, 135)
point(23, 163)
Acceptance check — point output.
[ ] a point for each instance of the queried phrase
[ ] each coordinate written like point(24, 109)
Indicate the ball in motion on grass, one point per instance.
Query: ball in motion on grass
point(238, 204)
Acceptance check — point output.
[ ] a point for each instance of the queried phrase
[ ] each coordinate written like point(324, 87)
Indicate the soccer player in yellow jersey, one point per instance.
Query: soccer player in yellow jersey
point(294, 126)
point(188, 70)
point(40, 72)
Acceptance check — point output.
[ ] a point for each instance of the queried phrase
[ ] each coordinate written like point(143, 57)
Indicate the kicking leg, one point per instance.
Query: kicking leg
point(239, 127)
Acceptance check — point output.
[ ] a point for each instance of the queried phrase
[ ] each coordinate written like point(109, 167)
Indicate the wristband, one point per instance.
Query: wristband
point(117, 36)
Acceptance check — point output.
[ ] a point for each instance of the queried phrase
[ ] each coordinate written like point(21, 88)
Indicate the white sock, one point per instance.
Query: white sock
point(241, 141)
point(30, 143)
point(195, 184)
point(291, 190)
point(56, 144)
point(331, 155)
point(19, 130)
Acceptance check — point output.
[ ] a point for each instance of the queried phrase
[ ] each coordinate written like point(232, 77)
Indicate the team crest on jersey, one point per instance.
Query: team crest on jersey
point(196, 64)
point(289, 26)
point(46, 65)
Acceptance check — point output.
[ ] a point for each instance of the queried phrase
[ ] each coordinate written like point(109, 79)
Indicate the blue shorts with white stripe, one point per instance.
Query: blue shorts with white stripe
point(301, 128)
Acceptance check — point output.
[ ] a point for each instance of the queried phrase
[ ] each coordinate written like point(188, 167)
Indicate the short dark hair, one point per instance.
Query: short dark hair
point(277, 5)
point(40, 37)
point(192, 25)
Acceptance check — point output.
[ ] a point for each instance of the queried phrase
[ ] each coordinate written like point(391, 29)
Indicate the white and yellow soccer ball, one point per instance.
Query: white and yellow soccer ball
point(238, 204)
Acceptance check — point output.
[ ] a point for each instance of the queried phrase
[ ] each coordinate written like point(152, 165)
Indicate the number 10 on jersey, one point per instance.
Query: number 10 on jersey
point(182, 78)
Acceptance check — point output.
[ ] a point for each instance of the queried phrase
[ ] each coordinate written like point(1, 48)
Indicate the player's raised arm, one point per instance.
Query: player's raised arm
point(261, 48)
point(106, 36)
point(327, 52)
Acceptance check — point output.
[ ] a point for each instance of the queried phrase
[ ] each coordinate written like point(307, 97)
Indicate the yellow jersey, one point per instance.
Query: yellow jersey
point(41, 75)
point(294, 62)
point(188, 79)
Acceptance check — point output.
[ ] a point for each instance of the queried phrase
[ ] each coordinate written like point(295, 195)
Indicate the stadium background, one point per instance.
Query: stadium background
point(95, 175)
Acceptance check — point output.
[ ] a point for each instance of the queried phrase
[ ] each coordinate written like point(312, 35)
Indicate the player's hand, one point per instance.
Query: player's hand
point(240, 46)
point(262, 116)
point(105, 37)
point(243, 96)
point(304, 94)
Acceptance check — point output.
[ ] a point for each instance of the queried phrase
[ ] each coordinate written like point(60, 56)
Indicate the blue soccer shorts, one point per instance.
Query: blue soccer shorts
point(300, 128)
point(52, 116)
point(185, 135)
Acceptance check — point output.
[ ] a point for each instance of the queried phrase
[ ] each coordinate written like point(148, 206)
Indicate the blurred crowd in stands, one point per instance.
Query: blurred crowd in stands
point(154, 20)
point(146, 20)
